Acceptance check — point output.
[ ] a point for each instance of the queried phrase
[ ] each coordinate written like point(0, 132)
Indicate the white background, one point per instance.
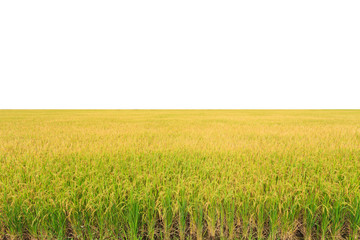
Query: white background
point(179, 54)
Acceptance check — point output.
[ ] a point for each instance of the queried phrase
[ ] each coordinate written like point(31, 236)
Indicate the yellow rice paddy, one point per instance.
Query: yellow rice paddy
point(180, 174)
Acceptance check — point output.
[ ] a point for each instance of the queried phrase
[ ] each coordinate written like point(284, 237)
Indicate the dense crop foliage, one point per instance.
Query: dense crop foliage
point(180, 174)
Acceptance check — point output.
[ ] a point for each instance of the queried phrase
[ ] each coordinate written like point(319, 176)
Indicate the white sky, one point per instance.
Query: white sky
point(179, 54)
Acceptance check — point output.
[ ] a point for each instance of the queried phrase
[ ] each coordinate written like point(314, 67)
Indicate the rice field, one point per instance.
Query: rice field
point(180, 174)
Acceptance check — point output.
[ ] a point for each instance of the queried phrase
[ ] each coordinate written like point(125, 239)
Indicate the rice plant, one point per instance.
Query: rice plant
point(180, 174)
